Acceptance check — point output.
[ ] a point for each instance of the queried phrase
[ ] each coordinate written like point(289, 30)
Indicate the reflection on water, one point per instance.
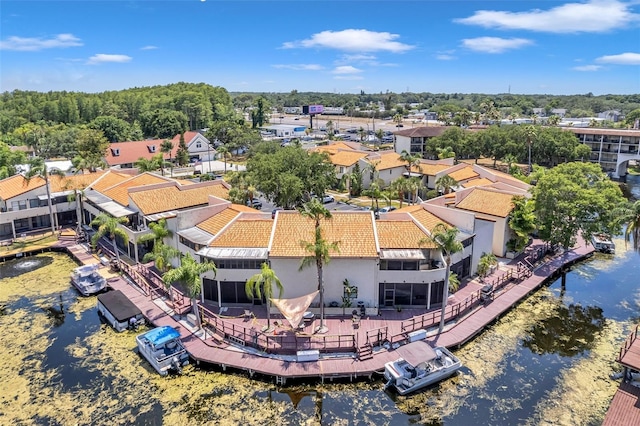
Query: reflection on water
point(60, 363)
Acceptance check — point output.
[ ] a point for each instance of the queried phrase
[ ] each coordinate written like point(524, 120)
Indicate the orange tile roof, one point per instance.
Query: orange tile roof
point(215, 223)
point(111, 178)
point(388, 160)
point(71, 182)
point(346, 158)
point(489, 202)
point(17, 185)
point(477, 182)
point(429, 169)
point(428, 220)
point(120, 192)
point(464, 174)
point(246, 231)
point(353, 231)
point(332, 148)
point(400, 234)
point(177, 197)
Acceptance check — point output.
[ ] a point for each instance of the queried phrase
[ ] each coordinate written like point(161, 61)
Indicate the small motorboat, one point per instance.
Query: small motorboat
point(603, 243)
point(163, 349)
point(118, 311)
point(420, 366)
point(87, 279)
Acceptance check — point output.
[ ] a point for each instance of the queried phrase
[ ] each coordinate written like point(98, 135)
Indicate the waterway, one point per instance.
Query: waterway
point(547, 362)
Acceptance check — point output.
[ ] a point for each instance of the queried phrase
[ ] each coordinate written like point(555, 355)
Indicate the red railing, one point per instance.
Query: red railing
point(627, 344)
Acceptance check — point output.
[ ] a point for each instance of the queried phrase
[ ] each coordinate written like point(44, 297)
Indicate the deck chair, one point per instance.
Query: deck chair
point(248, 314)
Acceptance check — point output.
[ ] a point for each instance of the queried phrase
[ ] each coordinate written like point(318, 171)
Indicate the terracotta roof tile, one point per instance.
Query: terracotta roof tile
point(427, 219)
point(177, 197)
point(249, 231)
point(130, 152)
point(18, 185)
point(120, 192)
point(477, 182)
point(400, 234)
point(489, 202)
point(215, 223)
point(332, 148)
point(71, 182)
point(464, 174)
point(429, 169)
point(353, 231)
point(387, 160)
point(108, 180)
point(346, 158)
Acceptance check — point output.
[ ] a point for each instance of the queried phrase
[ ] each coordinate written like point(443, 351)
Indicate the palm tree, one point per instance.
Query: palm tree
point(446, 183)
point(166, 147)
point(445, 239)
point(159, 232)
point(145, 165)
point(446, 152)
point(399, 187)
point(375, 193)
point(530, 134)
point(413, 186)
point(224, 151)
point(109, 226)
point(410, 159)
point(486, 262)
point(161, 256)
point(397, 119)
point(80, 164)
point(318, 250)
point(38, 167)
point(630, 215)
point(189, 274)
point(262, 285)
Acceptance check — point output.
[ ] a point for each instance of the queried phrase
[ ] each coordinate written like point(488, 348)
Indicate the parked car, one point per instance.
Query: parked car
point(386, 209)
point(327, 199)
point(255, 203)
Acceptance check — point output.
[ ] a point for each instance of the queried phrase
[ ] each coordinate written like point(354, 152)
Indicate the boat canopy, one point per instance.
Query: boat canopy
point(161, 335)
point(417, 352)
point(119, 305)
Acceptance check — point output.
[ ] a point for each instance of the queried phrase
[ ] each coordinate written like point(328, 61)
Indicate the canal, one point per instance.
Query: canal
point(547, 361)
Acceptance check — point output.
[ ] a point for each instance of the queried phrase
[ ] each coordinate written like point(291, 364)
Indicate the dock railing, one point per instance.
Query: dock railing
point(627, 344)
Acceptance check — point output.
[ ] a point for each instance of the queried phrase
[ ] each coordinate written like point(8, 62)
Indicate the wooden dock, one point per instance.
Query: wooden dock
point(235, 341)
point(624, 409)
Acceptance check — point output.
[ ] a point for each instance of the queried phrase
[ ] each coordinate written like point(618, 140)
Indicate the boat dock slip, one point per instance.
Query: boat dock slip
point(118, 310)
point(233, 340)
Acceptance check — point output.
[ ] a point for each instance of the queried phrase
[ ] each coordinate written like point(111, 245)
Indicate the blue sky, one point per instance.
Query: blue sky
point(539, 47)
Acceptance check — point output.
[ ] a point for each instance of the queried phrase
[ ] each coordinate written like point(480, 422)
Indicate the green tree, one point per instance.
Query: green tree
point(260, 114)
point(222, 150)
point(161, 255)
point(261, 285)
point(575, 198)
point(445, 239)
point(319, 250)
point(486, 262)
point(629, 215)
point(410, 159)
point(109, 226)
point(159, 231)
point(145, 165)
point(522, 221)
point(445, 183)
point(182, 154)
point(113, 128)
point(189, 274)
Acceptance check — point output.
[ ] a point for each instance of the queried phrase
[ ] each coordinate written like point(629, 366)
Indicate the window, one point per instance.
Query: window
point(18, 205)
point(399, 265)
point(238, 263)
point(198, 144)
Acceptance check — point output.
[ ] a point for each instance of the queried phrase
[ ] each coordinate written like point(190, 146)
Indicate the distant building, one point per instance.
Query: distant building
point(611, 148)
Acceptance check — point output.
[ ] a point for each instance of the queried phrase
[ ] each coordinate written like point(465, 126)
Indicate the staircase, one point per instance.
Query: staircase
point(365, 352)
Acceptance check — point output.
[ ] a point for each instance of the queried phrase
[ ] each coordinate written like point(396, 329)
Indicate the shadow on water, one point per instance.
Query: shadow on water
point(16, 267)
point(570, 332)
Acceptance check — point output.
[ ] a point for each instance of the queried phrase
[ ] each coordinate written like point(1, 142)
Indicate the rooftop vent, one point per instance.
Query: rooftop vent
point(152, 148)
point(115, 152)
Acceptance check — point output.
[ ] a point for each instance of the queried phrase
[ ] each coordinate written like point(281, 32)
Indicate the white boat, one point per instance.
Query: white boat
point(419, 366)
point(603, 243)
point(163, 349)
point(118, 311)
point(87, 279)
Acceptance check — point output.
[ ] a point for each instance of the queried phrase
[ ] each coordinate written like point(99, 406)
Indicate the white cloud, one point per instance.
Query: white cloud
point(627, 58)
point(446, 55)
point(587, 68)
point(352, 41)
point(346, 69)
point(149, 48)
point(299, 67)
point(37, 43)
point(102, 58)
point(494, 44)
point(348, 77)
point(592, 16)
